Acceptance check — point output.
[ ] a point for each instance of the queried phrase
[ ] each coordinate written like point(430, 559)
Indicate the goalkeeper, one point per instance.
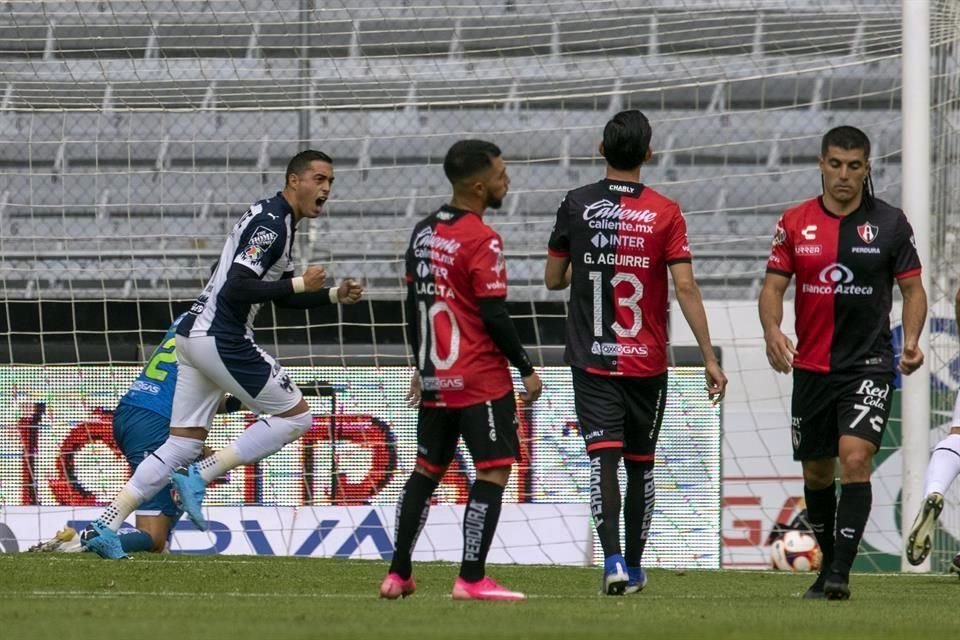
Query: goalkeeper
point(141, 423)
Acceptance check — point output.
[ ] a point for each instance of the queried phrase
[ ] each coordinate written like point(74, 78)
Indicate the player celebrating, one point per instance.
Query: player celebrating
point(943, 469)
point(216, 352)
point(846, 247)
point(141, 423)
point(613, 243)
point(462, 336)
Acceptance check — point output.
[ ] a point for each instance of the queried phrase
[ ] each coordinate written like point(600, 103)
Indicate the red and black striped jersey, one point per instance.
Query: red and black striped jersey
point(454, 259)
point(845, 268)
point(620, 238)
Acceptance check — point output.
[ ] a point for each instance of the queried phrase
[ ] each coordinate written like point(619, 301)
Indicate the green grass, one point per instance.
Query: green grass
point(79, 596)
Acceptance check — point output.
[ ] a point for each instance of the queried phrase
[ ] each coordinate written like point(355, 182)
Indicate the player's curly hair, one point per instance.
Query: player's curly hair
point(467, 158)
point(626, 139)
point(301, 162)
point(849, 138)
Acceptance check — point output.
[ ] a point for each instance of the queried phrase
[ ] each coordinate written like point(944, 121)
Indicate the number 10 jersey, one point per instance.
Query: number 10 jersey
point(620, 238)
point(453, 260)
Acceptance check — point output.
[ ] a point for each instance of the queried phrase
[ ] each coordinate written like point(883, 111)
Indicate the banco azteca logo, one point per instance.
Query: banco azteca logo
point(836, 272)
point(836, 279)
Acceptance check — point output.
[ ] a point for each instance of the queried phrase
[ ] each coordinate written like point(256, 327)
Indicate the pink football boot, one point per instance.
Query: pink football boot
point(486, 589)
point(394, 587)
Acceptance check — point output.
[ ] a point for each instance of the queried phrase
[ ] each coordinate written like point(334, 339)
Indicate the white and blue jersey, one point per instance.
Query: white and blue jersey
point(261, 241)
point(153, 388)
point(215, 345)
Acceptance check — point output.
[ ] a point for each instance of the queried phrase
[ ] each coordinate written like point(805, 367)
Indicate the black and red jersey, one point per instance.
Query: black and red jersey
point(453, 260)
point(620, 238)
point(845, 267)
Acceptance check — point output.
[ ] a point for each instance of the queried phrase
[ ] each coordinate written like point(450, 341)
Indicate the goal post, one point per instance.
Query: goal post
point(916, 200)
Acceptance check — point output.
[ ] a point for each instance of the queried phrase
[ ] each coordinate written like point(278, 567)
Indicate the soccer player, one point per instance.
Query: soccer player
point(216, 353)
point(943, 469)
point(846, 248)
point(462, 337)
point(141, 423)
point(613, 243)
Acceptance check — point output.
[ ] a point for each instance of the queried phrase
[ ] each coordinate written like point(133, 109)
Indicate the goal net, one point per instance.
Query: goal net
point(135, 132)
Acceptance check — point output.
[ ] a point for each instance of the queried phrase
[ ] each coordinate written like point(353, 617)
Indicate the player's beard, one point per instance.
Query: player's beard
point(494, 203)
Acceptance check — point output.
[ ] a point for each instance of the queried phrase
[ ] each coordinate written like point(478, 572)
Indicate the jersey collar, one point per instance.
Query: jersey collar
point(284, 205)
point(454, 212)
point(864, 206)
point(638, 187)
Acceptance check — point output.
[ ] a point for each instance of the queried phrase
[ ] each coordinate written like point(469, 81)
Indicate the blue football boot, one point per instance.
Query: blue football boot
point(102, 541)
point(615, 576)
point(189, 490)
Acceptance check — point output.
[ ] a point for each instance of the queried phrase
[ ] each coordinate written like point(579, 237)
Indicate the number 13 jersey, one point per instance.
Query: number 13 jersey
point(620, 238)
point(453, 260)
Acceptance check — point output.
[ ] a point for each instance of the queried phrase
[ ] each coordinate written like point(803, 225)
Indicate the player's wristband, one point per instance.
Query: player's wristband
point(299, 286)
point(334, 295)
point(525, 368)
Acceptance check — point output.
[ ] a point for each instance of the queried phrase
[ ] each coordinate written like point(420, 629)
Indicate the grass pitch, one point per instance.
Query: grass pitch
point(62, 596)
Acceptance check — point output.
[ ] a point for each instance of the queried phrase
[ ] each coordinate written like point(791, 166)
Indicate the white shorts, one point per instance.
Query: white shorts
point(208, 366)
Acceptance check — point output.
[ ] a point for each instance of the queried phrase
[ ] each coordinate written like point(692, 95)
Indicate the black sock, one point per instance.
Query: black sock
point(853, 509)
point(638, 509)
point(412, 511)
point(821, 514)
point(605, 498)
point(479, 524)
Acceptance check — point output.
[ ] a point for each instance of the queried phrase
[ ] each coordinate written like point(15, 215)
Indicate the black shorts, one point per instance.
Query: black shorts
point(620, 412)
point(826, 406)
point(489, 430)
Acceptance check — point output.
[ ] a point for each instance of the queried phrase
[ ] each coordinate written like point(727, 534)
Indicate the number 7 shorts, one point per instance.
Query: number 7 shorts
point(826, 406)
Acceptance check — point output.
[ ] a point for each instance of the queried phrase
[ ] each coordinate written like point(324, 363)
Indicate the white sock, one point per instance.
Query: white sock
point(122, 506)
point(944, 465)
point(261, 439)
point(212, 467)
point(151, 476)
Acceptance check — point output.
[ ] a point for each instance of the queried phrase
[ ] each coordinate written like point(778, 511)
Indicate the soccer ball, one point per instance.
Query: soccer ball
point(795, 551)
